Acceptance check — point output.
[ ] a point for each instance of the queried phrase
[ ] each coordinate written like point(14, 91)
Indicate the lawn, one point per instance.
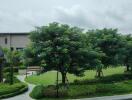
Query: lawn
point(49, 78)
point(114, 82)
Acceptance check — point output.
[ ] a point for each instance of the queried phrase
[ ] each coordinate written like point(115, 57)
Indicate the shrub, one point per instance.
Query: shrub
point(105, 88)
point(51, 91)
point(48, 92)
point(8, 79)
point(37, 92)
point(7, 69)
point(7, 90)
point(107, 79)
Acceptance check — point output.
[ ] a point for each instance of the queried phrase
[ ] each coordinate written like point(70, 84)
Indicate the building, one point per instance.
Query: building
point(14, 41)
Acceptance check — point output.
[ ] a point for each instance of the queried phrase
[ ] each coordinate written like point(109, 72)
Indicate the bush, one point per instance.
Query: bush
point(105, 88)
point(51, 91)
point(85, 90)
point(7, 90)
point(107, 79)
point(8, 79)
point(7, 69)
point(48, 92)
point(37, 92)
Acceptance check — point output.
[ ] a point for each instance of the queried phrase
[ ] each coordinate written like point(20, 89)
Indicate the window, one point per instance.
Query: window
point(6, 41)
point(19, 49)
point(12, 48)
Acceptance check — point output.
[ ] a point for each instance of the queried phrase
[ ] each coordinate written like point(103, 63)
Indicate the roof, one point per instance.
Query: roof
point(15, 33)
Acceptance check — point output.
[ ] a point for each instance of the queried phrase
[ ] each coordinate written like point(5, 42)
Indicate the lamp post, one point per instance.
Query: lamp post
point(1, 61)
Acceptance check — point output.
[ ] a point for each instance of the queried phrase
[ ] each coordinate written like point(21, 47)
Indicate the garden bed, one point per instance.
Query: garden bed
point(82, 91)
point(7, 90)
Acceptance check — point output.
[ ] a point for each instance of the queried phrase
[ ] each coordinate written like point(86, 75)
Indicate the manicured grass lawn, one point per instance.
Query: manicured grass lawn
point(114, 82)
point(49, 78)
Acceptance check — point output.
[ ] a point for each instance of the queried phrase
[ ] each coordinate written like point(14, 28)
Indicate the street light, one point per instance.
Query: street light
point(1, 61)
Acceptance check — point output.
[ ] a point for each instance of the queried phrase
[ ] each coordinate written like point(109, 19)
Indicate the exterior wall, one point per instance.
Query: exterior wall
point(15, 41)
point(2, 41)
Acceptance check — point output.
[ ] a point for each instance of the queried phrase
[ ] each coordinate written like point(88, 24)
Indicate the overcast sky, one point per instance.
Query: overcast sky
point(24, 15)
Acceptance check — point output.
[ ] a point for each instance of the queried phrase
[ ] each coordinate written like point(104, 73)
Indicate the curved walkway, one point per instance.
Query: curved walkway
point(116, 97)
point(24, 96)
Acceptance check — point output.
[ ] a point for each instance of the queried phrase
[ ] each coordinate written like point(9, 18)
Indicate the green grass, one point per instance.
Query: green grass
point(49, 78)
point(93, 90)
point(114, 82)
point(7, 90)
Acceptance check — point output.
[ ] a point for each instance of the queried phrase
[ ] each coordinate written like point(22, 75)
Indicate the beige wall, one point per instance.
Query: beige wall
point(14, 40)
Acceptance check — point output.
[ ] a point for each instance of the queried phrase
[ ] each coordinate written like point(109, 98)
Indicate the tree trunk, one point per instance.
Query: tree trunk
point(63, 78)
point(11, 75)
point(127, 67)
point(99, 74)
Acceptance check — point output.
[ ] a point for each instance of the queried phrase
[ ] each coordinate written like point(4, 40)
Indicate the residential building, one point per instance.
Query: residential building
point(14, 41)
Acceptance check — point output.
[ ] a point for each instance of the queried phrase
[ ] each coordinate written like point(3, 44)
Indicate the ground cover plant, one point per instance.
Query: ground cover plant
point(7, 90)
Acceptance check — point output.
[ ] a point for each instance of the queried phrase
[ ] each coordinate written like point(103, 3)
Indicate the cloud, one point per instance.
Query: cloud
point(76, 15)
point(99, 17)
point(21, 16)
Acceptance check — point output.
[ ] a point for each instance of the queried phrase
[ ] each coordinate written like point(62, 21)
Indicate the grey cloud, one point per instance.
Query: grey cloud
point(23, 15)
point(74, 16)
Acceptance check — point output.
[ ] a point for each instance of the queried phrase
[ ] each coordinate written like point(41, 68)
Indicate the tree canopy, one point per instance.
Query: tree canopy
point(62, 49)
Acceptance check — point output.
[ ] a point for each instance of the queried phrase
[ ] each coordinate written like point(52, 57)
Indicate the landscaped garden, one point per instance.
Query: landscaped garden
point(7, 90)
point(9, 85)
point(114, 82)
point(70, 63)
point(77, 64)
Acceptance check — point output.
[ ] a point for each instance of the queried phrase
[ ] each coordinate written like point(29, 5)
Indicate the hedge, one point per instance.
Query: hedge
point(12, 90)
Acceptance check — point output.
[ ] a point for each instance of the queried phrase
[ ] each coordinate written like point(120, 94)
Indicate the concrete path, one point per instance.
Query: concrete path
point(116, 97)
point(24, 96)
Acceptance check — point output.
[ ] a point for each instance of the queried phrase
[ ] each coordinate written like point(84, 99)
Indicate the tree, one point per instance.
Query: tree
point(109, 42)
point(30, 56)
point(13, 60)
point(127, 52)
point(62, 49)
point(1, 64)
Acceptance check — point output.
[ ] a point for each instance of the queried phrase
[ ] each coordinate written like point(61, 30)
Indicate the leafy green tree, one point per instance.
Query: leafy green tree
point(13, 60)
point(109, 42)
point(127, 52)
point(30, 56)
point(62, 49)
point(1, 64)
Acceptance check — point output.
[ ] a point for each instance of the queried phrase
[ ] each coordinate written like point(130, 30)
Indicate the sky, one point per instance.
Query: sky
point(24, 15)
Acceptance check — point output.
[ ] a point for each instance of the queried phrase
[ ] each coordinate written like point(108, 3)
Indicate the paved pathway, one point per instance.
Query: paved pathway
point(116, 97)
point(24, 96)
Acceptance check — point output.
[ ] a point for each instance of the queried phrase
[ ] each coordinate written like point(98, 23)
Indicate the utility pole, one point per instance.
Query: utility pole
point(57, 85)
point(11, 68)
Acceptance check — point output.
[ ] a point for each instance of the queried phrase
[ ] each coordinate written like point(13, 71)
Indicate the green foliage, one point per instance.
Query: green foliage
point(37, 92)
point(30, 57)
point(90, 90)
point(61, 48)
point(7, 90)
point(107, 79)
point(109, 42)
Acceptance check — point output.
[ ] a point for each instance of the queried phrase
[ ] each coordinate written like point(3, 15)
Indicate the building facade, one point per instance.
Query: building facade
point(14, 41)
